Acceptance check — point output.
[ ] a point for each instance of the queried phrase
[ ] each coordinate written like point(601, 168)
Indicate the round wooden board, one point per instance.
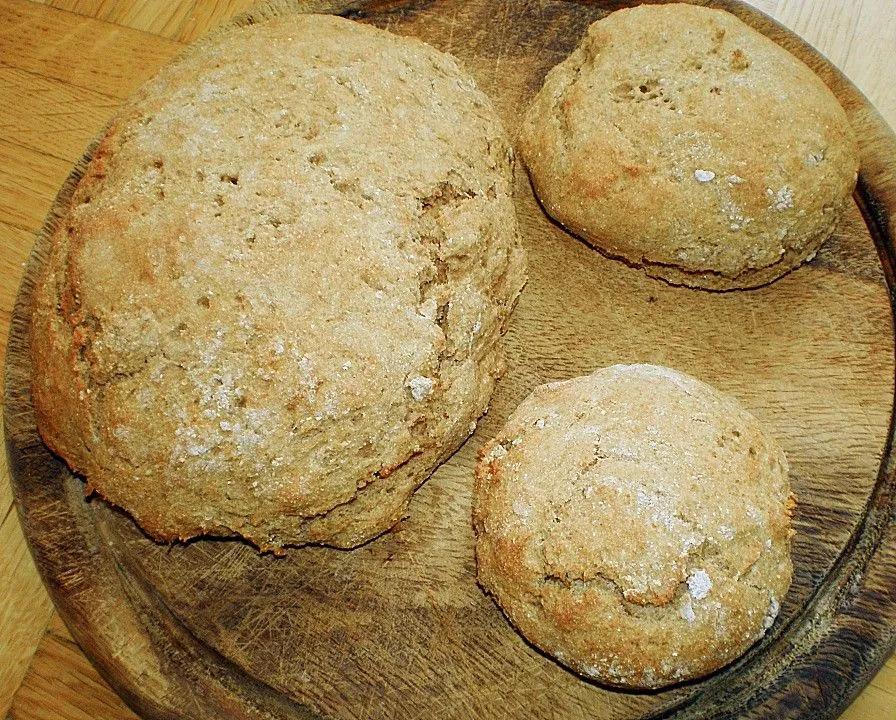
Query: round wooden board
point(399, 628)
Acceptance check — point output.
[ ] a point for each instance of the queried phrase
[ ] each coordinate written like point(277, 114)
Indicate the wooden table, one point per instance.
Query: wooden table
point(64, 67)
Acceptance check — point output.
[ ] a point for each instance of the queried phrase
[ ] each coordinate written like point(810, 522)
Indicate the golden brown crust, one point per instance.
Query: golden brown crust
point(634, 524)
point(275, 303)
point(678, 138)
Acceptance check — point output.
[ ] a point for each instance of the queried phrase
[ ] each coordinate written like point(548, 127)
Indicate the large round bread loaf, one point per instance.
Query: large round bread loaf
point(275, 302)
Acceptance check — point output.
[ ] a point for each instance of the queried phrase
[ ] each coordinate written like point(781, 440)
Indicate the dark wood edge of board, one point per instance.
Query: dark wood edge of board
point(820, 659)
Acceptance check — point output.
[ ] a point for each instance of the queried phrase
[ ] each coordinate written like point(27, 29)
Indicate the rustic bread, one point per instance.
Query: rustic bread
point(679, 139)
point(635, 525)
point(275, 302)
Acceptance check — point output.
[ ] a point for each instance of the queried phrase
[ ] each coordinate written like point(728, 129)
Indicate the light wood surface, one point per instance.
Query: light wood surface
point(64, 67)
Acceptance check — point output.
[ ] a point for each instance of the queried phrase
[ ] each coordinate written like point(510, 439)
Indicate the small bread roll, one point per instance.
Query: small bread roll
point(635, 524)
point(679, 139)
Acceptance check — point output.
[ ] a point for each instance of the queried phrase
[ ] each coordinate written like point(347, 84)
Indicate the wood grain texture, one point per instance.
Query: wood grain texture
point(25, 607)
point(182, 21)
point(848, 34)
point(856, 36)
point(828, 400)
point(50, 107)
point(77, 50)
point(62, 683)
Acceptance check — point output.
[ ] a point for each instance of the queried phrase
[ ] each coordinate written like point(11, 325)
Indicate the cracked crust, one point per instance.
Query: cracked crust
point(276, 301)
point(635, 524)
point(679, 139)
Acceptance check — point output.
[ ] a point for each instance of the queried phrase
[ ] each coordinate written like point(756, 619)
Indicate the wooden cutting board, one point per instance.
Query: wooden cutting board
point(398, 628)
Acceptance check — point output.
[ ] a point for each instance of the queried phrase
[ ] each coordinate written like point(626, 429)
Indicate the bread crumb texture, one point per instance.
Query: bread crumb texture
point(635, 524)
point(276, 300)
point(681, 140)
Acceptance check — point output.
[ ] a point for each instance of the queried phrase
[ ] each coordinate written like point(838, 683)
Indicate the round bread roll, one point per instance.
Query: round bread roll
point(274, 305)
point(679, 139)
point(635, 525)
